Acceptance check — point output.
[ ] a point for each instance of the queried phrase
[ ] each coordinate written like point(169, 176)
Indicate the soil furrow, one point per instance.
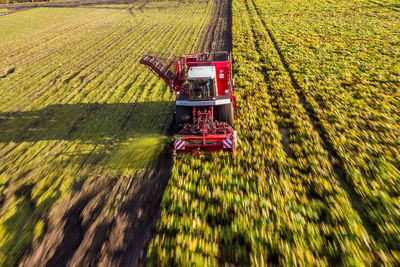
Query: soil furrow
point(218, 36)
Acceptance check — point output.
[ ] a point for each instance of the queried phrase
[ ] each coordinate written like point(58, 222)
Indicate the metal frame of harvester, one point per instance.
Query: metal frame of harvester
point(204, 100)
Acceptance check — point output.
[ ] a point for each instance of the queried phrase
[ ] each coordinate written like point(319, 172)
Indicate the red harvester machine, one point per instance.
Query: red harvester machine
point(205, 104)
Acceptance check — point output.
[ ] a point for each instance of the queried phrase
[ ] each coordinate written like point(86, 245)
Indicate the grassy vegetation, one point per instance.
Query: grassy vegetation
point(297, 64)
point(76, 105)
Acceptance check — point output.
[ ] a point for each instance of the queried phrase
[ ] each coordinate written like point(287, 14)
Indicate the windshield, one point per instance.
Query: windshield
point(202, 88)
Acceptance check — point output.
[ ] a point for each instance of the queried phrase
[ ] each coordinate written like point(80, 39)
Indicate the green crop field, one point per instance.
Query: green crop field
point(346, 63)
point(84, 127)
point(77, 106)
point(316, 177)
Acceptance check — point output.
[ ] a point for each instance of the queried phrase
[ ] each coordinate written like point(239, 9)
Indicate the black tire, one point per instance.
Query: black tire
point(225, 113)
point(183, 115)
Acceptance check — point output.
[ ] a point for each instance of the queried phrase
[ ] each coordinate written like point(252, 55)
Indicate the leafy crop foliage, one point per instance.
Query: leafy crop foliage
point(76, 105)
point(346, 63)
point(317, 82)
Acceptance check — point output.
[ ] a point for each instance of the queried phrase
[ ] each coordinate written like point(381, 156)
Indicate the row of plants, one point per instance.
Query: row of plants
point(344, 59)
point(79, 106)
point(279, 201)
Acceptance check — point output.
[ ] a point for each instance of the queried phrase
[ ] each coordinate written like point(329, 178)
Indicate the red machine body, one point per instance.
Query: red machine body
point(205, 102)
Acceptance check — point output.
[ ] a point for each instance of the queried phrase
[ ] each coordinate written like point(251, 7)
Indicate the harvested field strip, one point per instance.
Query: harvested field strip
point(218, 36)
point(84, 112)
point(46, 82)
point(47, 37)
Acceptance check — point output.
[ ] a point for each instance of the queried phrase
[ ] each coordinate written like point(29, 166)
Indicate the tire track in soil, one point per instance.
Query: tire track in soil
point(144, 200)
point(67, 227)
point(140, 8)
point(333, 156)
point(218, 36)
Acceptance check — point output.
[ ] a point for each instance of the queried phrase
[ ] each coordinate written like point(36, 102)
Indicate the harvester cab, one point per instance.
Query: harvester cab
point(205, 107)
point(202, 83)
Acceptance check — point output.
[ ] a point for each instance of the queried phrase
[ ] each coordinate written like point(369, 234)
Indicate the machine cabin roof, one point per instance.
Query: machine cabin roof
point(201, 72)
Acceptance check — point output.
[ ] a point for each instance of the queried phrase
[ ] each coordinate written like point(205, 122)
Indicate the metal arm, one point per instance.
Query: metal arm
point(160, 68)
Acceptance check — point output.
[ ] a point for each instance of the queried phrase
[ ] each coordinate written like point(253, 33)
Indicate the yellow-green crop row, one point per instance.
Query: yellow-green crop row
point(345, 58)
point(279, 201)
point(76, 105)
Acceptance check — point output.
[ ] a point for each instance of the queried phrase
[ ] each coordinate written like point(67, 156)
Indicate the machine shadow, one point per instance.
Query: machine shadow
point(90, 122)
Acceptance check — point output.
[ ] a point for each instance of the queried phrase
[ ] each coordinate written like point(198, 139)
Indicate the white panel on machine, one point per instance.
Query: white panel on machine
point(201, 72)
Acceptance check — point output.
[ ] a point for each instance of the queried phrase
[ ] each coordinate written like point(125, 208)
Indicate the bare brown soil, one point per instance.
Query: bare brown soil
point(24, 6)
point(12, 8)
point(106, 223)
point(111, 219)
point(218, 36)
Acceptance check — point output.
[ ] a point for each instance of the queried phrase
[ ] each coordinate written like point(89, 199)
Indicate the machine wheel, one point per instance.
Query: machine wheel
point(183, 115)
point(226, 113)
